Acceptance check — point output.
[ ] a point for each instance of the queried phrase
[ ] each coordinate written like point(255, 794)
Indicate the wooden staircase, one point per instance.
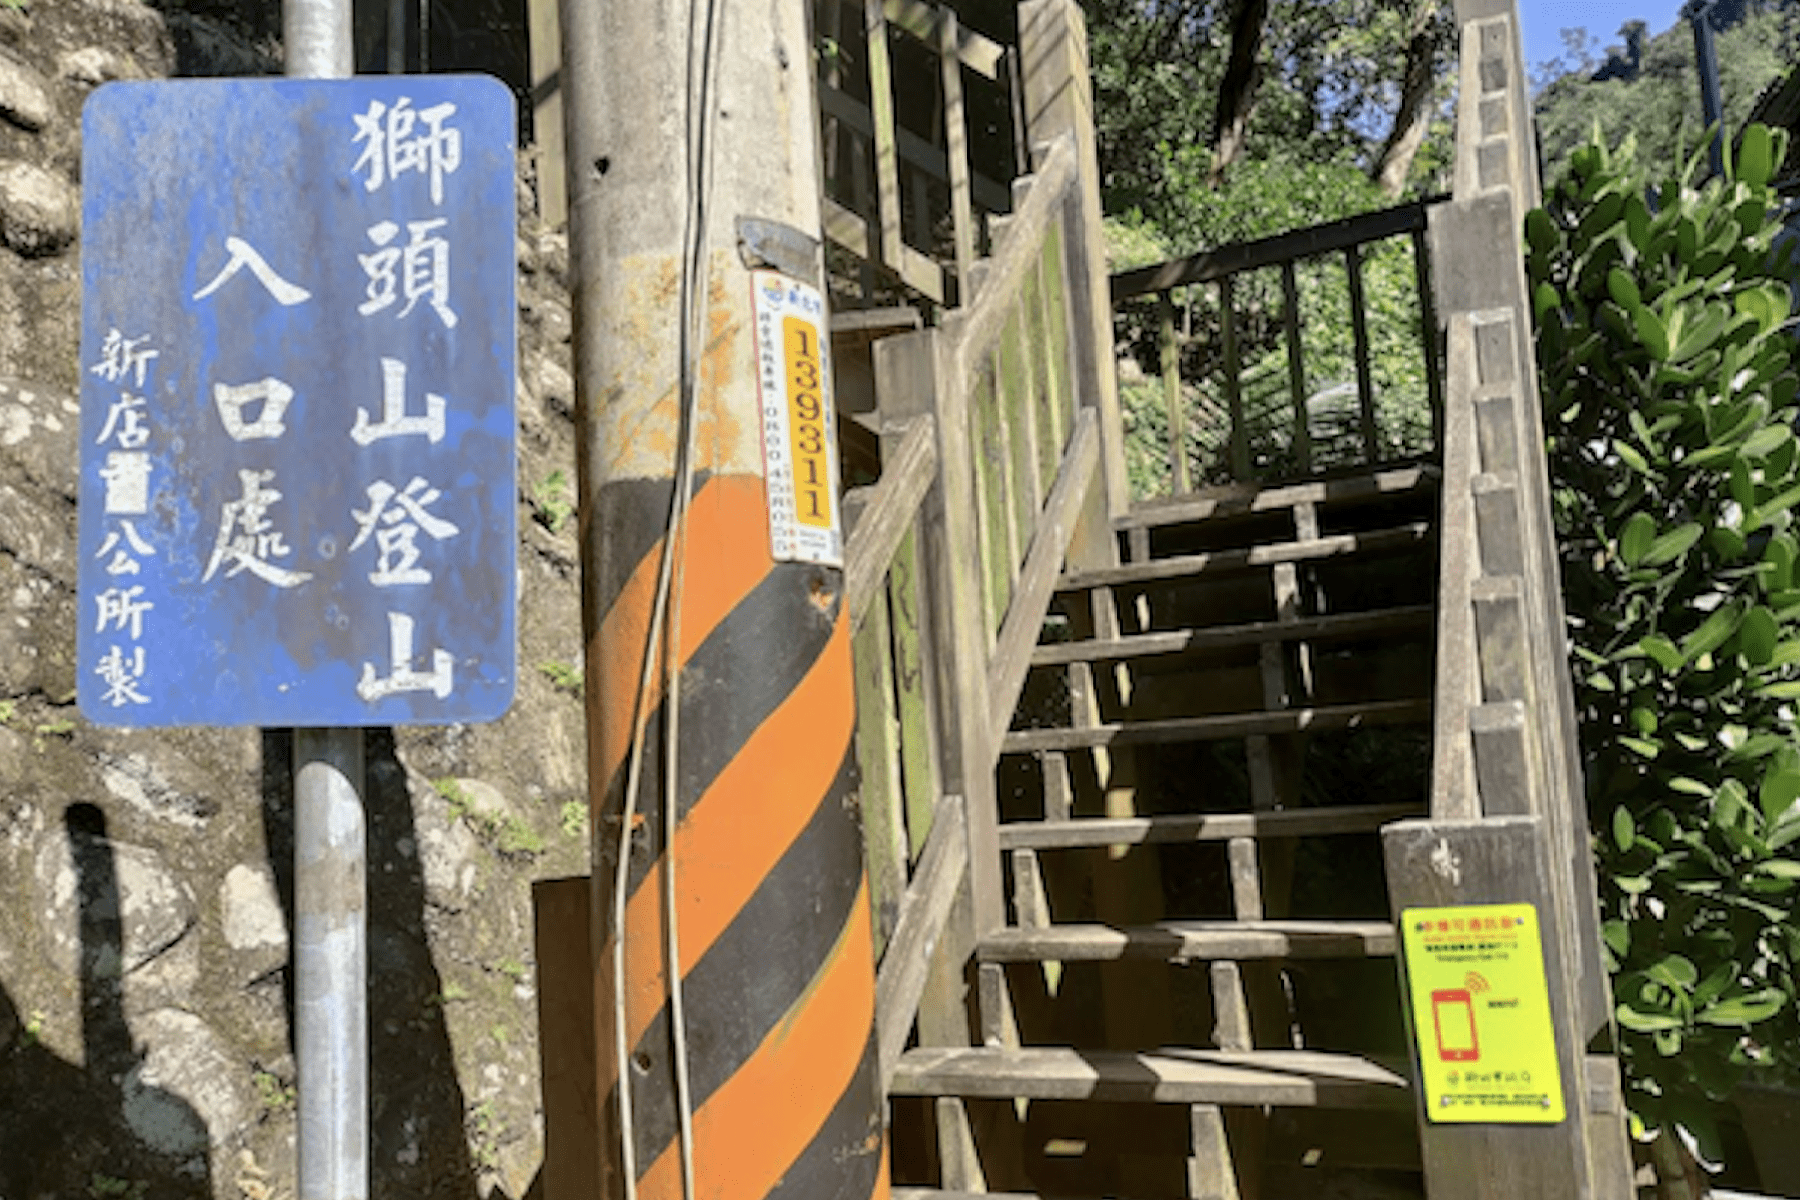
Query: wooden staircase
point(1233, 644)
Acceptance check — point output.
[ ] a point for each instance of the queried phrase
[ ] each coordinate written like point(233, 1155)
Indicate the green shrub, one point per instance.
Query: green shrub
point(1669, 382)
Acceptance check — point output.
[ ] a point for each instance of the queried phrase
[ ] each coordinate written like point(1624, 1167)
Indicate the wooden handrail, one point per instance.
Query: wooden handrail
point(891, 507)
point(900, 980)
point(1211, 265)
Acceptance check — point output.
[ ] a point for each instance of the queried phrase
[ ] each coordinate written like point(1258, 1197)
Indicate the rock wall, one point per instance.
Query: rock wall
point(145, 878)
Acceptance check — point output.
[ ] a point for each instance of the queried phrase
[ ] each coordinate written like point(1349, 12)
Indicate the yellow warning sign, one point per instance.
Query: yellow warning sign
point(1481, 1014)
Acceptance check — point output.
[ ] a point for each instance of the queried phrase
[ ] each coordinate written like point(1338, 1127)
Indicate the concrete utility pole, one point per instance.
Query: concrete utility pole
point(331, 1034)
point(760, 889)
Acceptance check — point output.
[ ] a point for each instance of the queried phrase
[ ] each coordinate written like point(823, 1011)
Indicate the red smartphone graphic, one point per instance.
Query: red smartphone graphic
point(1453, 1013)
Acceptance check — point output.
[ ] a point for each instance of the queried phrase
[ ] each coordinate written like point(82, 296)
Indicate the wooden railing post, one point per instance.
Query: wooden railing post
point(914, 378)
point(1508, 799)
point(1059, 99)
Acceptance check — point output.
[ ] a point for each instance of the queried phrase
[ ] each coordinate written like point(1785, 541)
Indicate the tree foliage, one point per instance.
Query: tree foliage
point(1654, 94)
point(1323, 111)
point(1669, 361)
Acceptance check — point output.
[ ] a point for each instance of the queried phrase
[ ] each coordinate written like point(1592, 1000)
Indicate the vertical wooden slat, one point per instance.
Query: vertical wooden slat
point(1046, 425)
point(1290, 319)
point(866, 208)
point(547, 115)
point(1031, 906)
point(1059, 791)
point(1231, 1016)
point(1431, 338)
point(1234, 399)
point(917, 202)
point(1021, 425)
point(999, 534)
point(918, 373)
point(1015, 87)
point(1365, 382)
point(1179, 482)
point(913, 691)
point(956, 147)
point(887, 147)
point(878, 759)
point(1057, 348)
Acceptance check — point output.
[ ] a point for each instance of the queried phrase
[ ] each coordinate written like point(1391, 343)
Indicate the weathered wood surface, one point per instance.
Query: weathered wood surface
point(561, 915)
point(1230, 725)
point(1039, 200)
point(1212, 265)
point(1218, 637)
point(1057, 95)
point(1203, 827)
point(914, 378)
point(1190, 941)
point(1401, 537)
point(882, 797)
point(901, 978)
point(889, 512)
point(1243, 499)
point(1274, 1077)
point(1037, 581)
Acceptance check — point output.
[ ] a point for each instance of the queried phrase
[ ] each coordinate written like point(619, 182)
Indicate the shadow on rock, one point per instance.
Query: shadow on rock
point(418, 1144)
point(106, 1127)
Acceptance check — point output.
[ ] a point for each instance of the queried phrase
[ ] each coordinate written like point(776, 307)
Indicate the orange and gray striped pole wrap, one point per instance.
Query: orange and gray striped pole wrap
point(770, 901)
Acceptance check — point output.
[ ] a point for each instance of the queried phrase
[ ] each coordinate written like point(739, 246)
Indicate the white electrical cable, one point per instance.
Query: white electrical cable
point(693, 329)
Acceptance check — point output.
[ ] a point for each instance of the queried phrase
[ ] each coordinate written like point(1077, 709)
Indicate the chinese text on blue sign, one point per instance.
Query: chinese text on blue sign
point(297, 480)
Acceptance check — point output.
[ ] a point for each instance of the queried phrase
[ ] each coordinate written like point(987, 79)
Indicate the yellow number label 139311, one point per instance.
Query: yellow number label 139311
point(799, 434)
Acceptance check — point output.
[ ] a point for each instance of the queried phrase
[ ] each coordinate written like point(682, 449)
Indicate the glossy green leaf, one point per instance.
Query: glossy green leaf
point(1635, 539)
point(1743, 1010)
point(1763, 443)
point(1712, 632)
point(1672, 545)
point(1674, 972)
point(1663, 651)
point(1645, 1022)
point(1624, 829)
point(1755, 161)
point(1651, 332)
point(1758, 635)
point(1780, 786)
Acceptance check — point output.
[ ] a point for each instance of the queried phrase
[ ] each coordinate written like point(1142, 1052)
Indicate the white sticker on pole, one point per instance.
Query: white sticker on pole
point(798, 426)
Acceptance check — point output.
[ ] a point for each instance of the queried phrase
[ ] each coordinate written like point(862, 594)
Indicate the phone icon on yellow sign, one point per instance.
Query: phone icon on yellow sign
point(1453, 1014)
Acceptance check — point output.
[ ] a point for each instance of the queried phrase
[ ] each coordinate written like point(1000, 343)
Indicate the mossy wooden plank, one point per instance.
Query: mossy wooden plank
point(1021, 424)
point(1047, 433)
point(878, 757)
point(993, 499)
point(914, 693)
point(1057, 348)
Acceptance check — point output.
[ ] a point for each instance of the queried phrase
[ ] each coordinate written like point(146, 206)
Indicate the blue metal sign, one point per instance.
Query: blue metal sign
point(297, 480)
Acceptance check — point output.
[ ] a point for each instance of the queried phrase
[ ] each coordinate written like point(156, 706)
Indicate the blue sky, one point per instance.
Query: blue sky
point(1541, 19)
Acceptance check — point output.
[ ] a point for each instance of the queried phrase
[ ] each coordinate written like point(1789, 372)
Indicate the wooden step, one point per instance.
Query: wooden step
point(1283, 1078)
point(1227, 725)
point(1202, 827)
point(1191, 941)
point(1218, 562)
point(1177, 641)
point(1245, 499)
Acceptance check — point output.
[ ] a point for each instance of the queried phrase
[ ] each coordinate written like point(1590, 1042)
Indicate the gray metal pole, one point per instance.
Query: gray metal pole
point(331, 1035)
point(318, 38)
